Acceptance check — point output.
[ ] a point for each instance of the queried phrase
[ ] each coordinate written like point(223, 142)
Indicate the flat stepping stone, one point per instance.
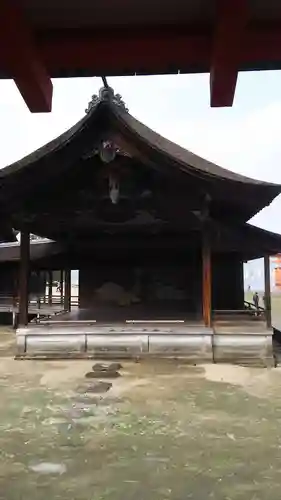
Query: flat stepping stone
point(48, 468)
point(104, 368)
point(98, 387)
point(102, 374)
point(85, 398)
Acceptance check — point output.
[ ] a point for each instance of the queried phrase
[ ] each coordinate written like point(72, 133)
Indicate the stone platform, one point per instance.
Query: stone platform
point(70, 336)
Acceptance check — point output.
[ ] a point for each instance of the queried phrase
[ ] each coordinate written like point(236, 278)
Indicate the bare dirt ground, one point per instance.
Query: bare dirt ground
point(164, 431)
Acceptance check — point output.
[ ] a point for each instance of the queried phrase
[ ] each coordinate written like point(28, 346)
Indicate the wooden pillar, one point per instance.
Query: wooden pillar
point(44, 286)
point(38, 277)
point(24, 277)
point(15, 288)
point(207, 279)
point(61, 286)
point(267, 292)
point(240, 285)
point(67, 293)
point(50, 288)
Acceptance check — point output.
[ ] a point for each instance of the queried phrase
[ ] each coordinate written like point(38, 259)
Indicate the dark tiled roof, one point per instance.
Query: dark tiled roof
point(45, 150)
point(246, 235)
point(186, 159)
point(72, 145)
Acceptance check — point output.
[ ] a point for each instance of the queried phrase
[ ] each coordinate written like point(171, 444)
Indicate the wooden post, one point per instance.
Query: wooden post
point(67, 294)
point(61, 286)
point(44, 287)
point(50, 288)
point(24, 277)
point(267, 292)
point(38, 276)
point(207, 279)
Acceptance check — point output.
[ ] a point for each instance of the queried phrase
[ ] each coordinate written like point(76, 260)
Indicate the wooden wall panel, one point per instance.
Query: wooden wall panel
point(227, 282)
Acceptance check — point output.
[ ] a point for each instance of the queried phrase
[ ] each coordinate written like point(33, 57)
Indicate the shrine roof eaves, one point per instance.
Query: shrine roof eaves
point(245, 239)
point(118, 120)
point(39, 249)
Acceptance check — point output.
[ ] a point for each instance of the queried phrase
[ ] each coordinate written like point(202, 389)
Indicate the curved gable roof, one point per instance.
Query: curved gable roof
point(107, 113)
point(42, 152)
point(186, 160)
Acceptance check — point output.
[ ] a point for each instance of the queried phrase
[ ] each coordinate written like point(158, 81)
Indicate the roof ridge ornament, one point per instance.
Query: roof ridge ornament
point(106, 94)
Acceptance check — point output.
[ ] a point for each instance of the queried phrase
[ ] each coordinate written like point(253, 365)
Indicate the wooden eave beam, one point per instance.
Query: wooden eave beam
point(140, 51)
point(159, 50)
point(226, 50)
point(165, 49)
point(23, 59)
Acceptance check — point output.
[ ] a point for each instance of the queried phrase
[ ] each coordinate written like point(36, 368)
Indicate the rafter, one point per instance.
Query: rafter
point(23, 59)
point(226, 50)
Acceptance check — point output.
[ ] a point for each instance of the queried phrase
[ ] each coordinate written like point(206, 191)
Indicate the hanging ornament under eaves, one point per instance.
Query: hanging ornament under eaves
point(107, 151)
point(114, 188)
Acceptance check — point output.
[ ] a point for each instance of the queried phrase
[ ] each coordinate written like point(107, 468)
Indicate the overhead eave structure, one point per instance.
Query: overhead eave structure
point(250, 241)
point(23, 59)
point(246, 240)
point(23, 183)
point(39, 249)
point(41, 40)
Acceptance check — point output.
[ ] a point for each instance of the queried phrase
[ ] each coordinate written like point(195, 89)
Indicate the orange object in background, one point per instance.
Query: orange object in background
point(277, 271)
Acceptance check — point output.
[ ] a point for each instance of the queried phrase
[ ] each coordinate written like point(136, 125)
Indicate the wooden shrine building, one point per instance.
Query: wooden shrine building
point(154, 230)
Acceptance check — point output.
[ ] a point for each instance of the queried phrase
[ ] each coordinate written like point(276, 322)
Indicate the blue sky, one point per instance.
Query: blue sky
point(244, 138)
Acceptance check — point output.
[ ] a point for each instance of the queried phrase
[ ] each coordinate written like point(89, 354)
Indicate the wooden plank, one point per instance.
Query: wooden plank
point(24, 277)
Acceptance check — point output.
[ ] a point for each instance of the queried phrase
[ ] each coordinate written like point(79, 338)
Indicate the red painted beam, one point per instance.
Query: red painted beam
point(226, 50)
point(23, 59)
point(137, 51)
point(160, 51)
point(263, 43)
point(157, 51)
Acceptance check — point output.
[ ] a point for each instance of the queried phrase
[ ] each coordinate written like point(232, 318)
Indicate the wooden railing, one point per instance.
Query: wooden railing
point(249, 310)
point(250, 306)
point(9, 301)
point(56, 299)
